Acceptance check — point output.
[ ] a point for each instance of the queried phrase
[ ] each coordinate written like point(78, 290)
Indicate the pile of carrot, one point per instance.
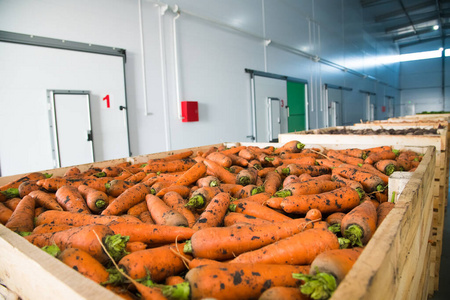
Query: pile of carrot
point(229, 223)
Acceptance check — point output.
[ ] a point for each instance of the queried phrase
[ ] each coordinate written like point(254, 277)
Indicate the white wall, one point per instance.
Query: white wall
point(212, 58)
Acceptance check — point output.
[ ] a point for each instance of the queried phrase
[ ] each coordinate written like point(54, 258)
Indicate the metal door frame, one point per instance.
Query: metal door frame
point(269, 111)
point(54, 125)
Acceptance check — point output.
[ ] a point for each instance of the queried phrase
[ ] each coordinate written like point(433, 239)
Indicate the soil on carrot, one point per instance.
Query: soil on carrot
point(409, 131)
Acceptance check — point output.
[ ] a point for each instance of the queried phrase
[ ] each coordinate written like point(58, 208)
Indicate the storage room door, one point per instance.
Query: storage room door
point(296, 101)
point(72, 130)
point(266, 88)
point(334, 100)
point(27, 73)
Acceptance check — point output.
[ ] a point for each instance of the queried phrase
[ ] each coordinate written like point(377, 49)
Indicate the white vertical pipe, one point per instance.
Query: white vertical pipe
point(176, 63)
point(264, 35)
point(144, 75)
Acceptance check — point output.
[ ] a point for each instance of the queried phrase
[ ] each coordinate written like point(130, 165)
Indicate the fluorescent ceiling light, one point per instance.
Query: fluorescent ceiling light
point(436, 27)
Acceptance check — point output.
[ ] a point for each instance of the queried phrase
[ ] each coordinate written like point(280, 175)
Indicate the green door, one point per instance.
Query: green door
point(296, 94)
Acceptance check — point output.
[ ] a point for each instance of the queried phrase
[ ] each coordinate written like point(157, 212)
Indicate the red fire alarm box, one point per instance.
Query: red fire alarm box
point(383, 108)
point(189, 111)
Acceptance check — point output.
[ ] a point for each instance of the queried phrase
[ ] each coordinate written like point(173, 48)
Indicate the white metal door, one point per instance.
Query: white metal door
point(72, 130)
point(334, 100)
point(274, 115)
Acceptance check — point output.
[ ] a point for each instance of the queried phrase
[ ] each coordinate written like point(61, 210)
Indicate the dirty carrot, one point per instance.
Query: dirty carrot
point(383, 210)
point(247, 154)
point(348, 182)
point(214, 212)
point(335, 220)
point(74, 218)
point(5, 213)
point(97, 183)
point(345, 158)
point(370, 182)
point(12, 203)
point(237, 160)
point(137, 209)
point(182, 190)
point(175, 156)
point(72, 172)
point(387, 166)
point(257, 210)
point(372, 170)
point(282, 292)
point(46, 200)
point(247, 176)
point(308, 187)
point(54, 183)
point(298, 169)
point(127, 199)
point(135, 246)
point(219, 281)
point(293, 178)
point(146, 216)
point(220, 158)
point(341, 199)
point(233, 218)
point(376, 156)
point(31, 176)
point(360, 224)
point(96, 200)
point(49, 228)
point(208, 181)
point(177, 202)
point(223, 174)
point(70, 199)
point(232, 150)
point(27, 187)
point(173, 280)
point(272, 182)
point(260, 198)
point(291, 146)
point(306, 160)
point(221, 243)
point(298, 249)
point(201, 197)
point(248, 190)
point(162, 214)
point(137, 177)
point(170, 166)
point(116, 187)
point(191, 176)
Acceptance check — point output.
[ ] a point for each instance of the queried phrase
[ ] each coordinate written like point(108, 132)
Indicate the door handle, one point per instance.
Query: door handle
point(89, 135)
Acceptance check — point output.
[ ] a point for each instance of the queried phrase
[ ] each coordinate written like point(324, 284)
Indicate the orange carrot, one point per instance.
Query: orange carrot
point(387, 166)
point(298, 169)
point(201, 197)
point(194, 173)
point(220, 172)
point(257, 210)
point(173, 280)
point(54, 183)
point(72, 172)
point(308, 187)
point(70, 199)
point(247, 176)
point(370, 182)
point(96, 200)
point(49, 228)
point(359, 153)
point(239, 281)
point(97, 183)
point(383, 210)
point(162, 214)
point(299, 249)
point(177, 202)
point(151, 233)
point(329, 162)
point(46, 200)
point(247, 154)
point(233, 150)
point(372, 170)
point(233, 218)
point(116, 187)
point(272, 182)
point(74, 218)
point(15, 183)
point(292, 146)
point(137, 177)
point(146, 216)
point(345, 158)
point(12, 203)
point(175, 156)
point(170, 166)
point(27, 187)
point(341, 199)
point(220, 159)
point(307, 160)
point(282, 292)
point(182, 190)
point(221, 243)
point(5, 213)
point(127, 199)
point(248, 190)
point(208, 181)
point(373, 157)
point(237, 160)
point(285, 155)
point(232, 189)
point(360, 224)
point(348, 182)
point(260, 198)
point(293, 178)
point(159, 262)
point(214, 212)
point(135, 246)
point(137, 209)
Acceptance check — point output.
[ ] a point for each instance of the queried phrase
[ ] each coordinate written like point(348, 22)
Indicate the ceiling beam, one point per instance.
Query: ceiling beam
point(404, 25)
point(401, 12)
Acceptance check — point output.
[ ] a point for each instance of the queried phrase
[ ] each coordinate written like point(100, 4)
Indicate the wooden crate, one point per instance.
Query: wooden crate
point(393, 262)
point(439, 184)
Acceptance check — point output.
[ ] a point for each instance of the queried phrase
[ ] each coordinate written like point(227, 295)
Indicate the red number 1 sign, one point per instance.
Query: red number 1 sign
point(107, 101)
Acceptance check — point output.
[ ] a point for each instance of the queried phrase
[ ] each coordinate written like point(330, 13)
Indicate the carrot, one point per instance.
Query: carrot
point(237, 160)
point(247, 176)
point(136, 177)
point(146, 216)
point(247, 154)
point(201, 197)
point(135, 246)
point(159, 262)
point(208, 181)
point(70, 199)
point(282, 293)
point(221, 243)
point(307, 188)
point(127, 199)
point(39, 210)
point(116, 187)
point(194, 173)
point(137, 209)
point(197, 262)
point(92, 171)
point(230, 188)
point(285, 155)
point(269, 161)
point(359, 153)
point(327, 271)
point(220, 158)
point(292, 179)
point(151, 233)
point(72, 172)
point(372, 170)
point(387, 166)
point(74, 218)
point(274, 202)
point(272, 182)
point(378, 149)
point(373, 157)
point(234, 169)
point(233, 150)
point(176, 201)
point(5, 214)
point(325, 177)
point(170, 166)
point(85, 264)
point(214, 213)
point(248, 190)
point(329, 162)
point(158, 186)
point(360, 224)
point(381, 197)
point(370, 182)
point(233, 218)
point(292, 146)
point(99, 184)
point(299, 249)
point(260, 198)
point(182, 190)
point(341, 199)
point(149, 292)
point(85, 238)
point(16, 183)
point(345, 158)
point(49, 228)
point(334, 220)
point(350, 183)
point(255, 164)
point(298, 169)
point(307, 160)
point(383, 210)
point(269, 150)
point(175, 156)
point(27, 187)
point(12, 203)
point(95, 200)
point(173, 280)
point(239, 281)
point(162, 214)
point(263, 172)
point(22, 218)
point(257, 210)
point(220, 172)
point(46, 200)
point(121, 292)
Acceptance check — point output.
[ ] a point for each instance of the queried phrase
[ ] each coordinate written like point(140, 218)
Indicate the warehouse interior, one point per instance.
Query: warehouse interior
point(174, 74)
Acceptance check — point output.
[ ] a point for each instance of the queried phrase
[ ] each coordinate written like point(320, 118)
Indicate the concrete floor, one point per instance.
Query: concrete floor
point(444, 274)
